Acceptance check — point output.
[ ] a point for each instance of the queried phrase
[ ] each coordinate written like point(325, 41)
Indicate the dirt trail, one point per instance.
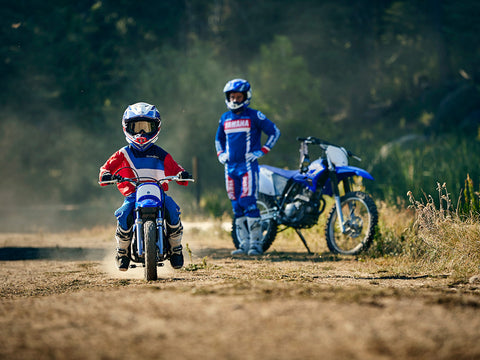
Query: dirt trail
point(62, 298)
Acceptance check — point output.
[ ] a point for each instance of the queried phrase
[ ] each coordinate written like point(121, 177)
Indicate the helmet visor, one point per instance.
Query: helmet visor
point(139, 126)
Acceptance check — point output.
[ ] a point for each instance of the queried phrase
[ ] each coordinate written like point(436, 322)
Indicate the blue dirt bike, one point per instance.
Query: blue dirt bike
point(295, 199)
point(149, 246)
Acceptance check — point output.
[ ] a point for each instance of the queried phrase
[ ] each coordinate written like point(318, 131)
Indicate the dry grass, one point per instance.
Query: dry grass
point(446, 241)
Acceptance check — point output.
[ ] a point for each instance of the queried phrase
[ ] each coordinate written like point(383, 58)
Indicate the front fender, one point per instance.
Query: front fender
point(148, 203)
point(347, 171)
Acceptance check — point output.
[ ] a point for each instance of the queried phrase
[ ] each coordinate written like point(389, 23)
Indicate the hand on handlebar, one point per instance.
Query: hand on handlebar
point(106, 177)
point(184, 175)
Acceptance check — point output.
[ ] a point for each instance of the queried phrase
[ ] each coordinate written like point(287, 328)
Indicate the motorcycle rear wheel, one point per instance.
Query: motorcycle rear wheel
point(150, 236)
point(360, 218)
point(269, 227)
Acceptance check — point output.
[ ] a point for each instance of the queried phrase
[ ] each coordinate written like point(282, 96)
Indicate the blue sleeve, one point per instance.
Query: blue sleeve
point(220, 138)
point(269, 128)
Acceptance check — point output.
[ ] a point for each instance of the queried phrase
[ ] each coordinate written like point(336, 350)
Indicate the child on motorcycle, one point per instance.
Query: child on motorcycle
point(141, 124)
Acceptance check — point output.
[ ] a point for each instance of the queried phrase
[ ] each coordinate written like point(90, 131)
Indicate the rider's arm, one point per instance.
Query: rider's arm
point(172, 168)
point(269, 128)
point(115, 162)
point(220, 139)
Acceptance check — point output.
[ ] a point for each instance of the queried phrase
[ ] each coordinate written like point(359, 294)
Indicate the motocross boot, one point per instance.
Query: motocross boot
point(242, 236)
point(175, 233)
point(123, 238)
point(255, 229)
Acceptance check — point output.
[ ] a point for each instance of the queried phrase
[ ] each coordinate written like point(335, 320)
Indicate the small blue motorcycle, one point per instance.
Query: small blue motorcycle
point(149, 246)
point(295, 199)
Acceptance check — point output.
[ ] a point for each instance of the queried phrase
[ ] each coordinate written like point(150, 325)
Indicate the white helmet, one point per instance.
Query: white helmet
point(141, 125)
point(237, 85)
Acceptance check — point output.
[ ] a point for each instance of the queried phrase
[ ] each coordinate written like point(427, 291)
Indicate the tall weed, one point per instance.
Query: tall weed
point(448, 241)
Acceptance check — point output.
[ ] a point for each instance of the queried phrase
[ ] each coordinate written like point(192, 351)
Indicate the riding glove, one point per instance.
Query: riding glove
point(184, 175)
point(107, 177)
point(223, 158)
point(254, 155)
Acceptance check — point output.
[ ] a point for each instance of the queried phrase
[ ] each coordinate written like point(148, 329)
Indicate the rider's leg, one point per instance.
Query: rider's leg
point(123, 233)
point(243, 236)
point(254, 228)
point(174, 232)
point(248, 201)
point(233, 185)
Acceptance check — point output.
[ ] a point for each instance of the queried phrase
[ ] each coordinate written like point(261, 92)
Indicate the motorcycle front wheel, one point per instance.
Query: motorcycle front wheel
point(150, 237)
point(360, 217)
point(266, 205)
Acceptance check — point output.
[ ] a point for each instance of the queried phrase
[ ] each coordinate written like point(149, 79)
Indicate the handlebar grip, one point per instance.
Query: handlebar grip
point(188, 179)
point(311, 139)
point(109, 182)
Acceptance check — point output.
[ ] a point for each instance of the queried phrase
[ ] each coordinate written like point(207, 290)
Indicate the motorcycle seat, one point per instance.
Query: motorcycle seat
point(282, 172)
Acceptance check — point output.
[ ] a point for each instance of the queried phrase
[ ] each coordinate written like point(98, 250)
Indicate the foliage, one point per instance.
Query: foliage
point(416, 163)
point(363, 74)
point(470, 202)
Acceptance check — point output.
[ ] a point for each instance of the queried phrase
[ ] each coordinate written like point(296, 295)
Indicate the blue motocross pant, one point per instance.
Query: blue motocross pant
point(241, 181)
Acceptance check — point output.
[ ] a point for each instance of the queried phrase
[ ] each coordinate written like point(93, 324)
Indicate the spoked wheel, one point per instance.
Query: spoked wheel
point(360, 218)
point(150, 237)
point(269, 225)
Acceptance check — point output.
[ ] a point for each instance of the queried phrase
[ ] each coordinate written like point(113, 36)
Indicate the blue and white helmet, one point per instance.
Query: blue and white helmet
point(237, 85)
point(141, 124)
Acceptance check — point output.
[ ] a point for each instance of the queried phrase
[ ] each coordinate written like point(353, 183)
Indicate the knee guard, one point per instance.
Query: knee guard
point(174, 235)
point(243, 236)
point(123, 238)
point(255, 229)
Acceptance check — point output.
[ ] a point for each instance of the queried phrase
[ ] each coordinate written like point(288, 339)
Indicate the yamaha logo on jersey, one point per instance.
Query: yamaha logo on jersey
point(237, 125)
point(261, 116)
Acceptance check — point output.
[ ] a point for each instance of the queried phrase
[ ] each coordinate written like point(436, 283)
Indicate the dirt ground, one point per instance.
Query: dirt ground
point(62, 298)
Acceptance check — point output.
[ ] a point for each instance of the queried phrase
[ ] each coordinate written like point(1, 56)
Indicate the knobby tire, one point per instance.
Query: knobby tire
point(360, 232)
point(150, 236)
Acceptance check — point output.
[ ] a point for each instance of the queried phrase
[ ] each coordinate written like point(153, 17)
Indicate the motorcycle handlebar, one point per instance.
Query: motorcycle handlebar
point(144, 178)
point(323, 144)
point(315, 141)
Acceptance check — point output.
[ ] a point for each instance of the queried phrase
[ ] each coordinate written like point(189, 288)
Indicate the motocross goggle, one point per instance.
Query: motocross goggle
point(146, 126)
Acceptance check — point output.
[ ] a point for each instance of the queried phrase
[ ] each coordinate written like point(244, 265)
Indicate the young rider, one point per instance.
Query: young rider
point(141, 125)
point(238, 145)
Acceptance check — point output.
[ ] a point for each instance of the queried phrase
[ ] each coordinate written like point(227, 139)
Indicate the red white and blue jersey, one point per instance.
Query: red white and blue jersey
point(153, 162)
point(240, 134)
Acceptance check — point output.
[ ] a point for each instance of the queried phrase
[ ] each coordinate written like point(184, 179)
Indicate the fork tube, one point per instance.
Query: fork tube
point(339, 213)
point(160, 233)
point(139, 227)
point(336, 195)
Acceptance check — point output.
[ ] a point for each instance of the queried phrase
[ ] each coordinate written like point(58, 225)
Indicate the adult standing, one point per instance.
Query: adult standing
point(238, 144)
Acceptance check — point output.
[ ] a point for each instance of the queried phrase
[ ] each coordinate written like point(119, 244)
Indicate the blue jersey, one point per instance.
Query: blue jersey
point(240, 134)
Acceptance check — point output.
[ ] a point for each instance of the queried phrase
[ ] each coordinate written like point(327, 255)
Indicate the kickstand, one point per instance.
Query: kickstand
point(303, 240)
